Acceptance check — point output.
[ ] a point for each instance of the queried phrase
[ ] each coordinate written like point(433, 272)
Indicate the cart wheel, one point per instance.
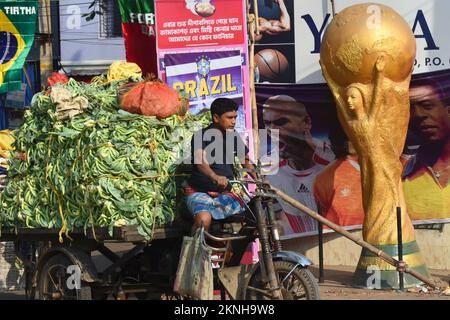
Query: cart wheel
point(298, 285)
point(53, 278)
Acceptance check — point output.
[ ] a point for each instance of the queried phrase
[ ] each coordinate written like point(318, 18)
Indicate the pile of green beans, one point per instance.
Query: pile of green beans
point(103, 168)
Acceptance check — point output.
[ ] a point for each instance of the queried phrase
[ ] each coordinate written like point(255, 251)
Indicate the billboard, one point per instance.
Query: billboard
point(207, 76)
point(295, 30)
point(194, 23)
point(202, 50)
point(319, 167)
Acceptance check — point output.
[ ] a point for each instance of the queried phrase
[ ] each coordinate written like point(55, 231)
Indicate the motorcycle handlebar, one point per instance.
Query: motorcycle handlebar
point(243, 186)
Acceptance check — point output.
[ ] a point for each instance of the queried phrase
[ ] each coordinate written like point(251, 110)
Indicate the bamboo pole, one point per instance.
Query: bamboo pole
point(333, 8)
point(256, 12)
point(400, 266)
point(253, 28)
point(45, 28)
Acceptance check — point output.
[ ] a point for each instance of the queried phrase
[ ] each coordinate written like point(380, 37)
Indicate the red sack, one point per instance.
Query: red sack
point(57, 77)
point(152, 98)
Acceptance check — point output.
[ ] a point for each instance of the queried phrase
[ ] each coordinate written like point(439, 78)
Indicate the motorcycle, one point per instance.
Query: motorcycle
point(278, 274)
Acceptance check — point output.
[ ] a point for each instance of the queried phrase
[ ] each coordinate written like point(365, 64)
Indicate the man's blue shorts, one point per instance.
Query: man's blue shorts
point(220, 207)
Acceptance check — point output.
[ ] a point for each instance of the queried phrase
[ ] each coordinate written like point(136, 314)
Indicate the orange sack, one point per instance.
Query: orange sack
point(152, 98)
point(57, 77)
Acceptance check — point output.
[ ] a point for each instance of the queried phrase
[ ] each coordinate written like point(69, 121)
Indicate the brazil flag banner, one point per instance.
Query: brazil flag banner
point(17, 28)
point(138, 26)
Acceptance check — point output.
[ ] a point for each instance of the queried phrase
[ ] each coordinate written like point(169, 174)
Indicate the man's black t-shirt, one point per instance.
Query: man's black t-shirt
point(221, 150)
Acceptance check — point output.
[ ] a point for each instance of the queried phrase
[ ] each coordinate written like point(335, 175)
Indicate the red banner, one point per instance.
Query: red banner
point(194, 23)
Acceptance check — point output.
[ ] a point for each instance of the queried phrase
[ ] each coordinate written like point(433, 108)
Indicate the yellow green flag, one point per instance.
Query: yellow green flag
point(17, 29)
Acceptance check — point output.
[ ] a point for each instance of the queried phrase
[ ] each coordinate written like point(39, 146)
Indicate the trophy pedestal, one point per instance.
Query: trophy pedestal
point(374, 273)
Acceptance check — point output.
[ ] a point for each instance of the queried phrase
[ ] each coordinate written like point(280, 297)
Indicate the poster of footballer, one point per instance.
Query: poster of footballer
point(319, 167)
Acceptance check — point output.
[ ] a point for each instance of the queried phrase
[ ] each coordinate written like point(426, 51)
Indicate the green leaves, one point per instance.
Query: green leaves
point(105, 167)
point(69, 133)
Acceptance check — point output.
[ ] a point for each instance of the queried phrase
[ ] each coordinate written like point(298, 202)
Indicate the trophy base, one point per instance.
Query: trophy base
point(374, 273)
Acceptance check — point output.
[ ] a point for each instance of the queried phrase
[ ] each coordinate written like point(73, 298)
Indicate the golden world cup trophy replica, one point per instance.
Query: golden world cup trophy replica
point(367, 58)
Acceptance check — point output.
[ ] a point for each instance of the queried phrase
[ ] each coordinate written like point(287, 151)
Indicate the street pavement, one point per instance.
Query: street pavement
point(337, 287)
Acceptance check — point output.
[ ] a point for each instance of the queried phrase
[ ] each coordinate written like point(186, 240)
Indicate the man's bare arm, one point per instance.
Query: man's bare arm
point(282, 25)
point(204, 168)
point(285, 19)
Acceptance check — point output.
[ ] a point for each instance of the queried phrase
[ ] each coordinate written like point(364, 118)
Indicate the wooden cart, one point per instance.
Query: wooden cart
point(68, 270)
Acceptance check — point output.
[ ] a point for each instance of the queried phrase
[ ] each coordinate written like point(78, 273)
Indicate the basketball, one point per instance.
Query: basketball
point(272, 65)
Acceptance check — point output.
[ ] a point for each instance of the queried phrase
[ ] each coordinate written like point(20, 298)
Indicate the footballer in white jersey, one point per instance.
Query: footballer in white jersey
point(302, 158)
point(297, 184)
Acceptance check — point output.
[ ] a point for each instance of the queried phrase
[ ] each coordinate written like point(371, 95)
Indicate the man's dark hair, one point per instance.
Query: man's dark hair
point(443, 95)
point(223, 105)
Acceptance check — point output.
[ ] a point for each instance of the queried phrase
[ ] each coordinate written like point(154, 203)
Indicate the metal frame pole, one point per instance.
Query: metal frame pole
point(400, 249)
point(321, 270)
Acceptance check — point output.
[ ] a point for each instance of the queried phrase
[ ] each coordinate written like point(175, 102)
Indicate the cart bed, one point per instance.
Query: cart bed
point(121, 234)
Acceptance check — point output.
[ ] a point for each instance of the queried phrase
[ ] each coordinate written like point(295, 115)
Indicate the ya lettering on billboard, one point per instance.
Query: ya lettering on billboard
point(429, 21)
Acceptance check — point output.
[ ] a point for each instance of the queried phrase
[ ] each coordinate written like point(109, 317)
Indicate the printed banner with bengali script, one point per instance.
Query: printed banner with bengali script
point(200, 23)
point(202, 50)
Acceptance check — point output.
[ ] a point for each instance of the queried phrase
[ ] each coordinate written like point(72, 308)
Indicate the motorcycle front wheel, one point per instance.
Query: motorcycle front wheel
point(298, 284)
